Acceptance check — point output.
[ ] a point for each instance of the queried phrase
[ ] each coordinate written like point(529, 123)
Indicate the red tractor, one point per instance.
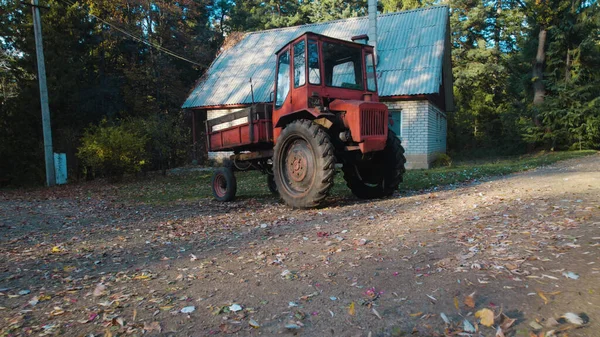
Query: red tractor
point(325, 111)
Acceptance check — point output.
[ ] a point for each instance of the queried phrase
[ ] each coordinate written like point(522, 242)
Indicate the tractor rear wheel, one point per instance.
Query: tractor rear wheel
point(380, 176)
point(224, 185)
point(303, 164)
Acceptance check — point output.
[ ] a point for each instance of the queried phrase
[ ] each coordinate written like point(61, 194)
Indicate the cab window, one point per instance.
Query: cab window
point(370, 72)
point(283, 78)
point(299, 64)
point(314, 70)
point(343, 66)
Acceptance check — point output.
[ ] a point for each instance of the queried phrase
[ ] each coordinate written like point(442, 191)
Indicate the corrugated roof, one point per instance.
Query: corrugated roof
point(410, 45)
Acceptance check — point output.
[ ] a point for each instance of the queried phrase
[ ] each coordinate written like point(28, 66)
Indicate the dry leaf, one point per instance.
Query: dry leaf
point(573, 318)
point(486, 316)
point(99, 290)
point(456, 302)
point(229, 328)
point(416, 314)
point(351, 310)
point(134, 315)
point(499, 332)
point(376, 313)
point(470, 300)
point(149, 327)
point(541, 294)
point(506, 322)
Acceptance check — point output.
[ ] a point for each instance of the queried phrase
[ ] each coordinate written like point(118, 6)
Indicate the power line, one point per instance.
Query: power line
point(137, 38)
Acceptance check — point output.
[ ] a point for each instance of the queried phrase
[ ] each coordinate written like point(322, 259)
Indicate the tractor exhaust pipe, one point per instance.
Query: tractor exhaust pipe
point(373, 26)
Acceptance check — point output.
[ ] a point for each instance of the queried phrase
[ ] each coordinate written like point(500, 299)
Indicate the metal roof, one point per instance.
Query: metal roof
point(410, 46)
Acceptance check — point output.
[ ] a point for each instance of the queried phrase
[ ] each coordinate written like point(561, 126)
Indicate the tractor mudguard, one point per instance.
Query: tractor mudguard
point(310, 114)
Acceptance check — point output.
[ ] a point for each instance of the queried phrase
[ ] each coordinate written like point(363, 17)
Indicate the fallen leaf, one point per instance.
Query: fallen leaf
point(253, 323)
point(486, 317)
point(467, 326)
point(541, 294)
point(188, 310)
point(416, 314)
point(34, 301)
point(506, 322)
point(229, 328)
point(573, 318)
point(445, 318)
point(56, 249)
point(154, 326)
point(570, 275)
point(99, 290)
point(351, 310)
point(499, 332)
point(376, 313)
point(470, 300)
point(456, 302)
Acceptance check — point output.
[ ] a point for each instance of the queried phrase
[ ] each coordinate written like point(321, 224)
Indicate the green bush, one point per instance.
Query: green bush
point(113, 150)
point(442, 160)
point(167, 140)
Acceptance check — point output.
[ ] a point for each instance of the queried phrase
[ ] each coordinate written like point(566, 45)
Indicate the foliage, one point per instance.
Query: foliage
point(113, 150)
point(441, 160)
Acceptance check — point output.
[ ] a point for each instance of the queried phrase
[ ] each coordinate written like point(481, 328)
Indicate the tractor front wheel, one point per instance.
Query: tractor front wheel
point(303, 164)
point(380, 176)
point(224, 185)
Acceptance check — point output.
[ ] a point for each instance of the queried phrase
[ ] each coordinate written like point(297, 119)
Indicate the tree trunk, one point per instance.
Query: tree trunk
point(539, 91)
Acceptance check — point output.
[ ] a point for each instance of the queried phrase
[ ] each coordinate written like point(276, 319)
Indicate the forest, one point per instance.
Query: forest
point(526, 75)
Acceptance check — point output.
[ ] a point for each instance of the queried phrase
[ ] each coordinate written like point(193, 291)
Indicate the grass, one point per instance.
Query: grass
point(195, 186)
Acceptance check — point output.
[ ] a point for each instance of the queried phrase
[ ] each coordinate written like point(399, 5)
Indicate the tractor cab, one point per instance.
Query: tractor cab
point(322, 77)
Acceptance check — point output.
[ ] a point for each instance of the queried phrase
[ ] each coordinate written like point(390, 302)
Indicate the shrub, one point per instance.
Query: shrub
point(113, 150)
point(442, 160)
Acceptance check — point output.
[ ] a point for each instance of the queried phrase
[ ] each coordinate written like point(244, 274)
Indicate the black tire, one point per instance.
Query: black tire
point(224, 185)
point(271, 184)
point(303, 164)
point(380, 176)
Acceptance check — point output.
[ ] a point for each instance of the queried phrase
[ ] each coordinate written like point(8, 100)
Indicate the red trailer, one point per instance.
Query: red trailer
point(325, 111)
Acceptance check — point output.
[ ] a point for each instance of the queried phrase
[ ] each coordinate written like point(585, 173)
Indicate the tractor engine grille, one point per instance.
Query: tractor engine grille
point(373, 122)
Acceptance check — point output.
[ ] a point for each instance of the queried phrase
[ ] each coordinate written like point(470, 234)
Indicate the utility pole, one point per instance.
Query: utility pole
point(39, 50)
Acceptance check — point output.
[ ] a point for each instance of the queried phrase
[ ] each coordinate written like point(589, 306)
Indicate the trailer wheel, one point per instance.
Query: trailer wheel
point(380, 176)
point(303, 164)
point(271, 184)
point(224, 185)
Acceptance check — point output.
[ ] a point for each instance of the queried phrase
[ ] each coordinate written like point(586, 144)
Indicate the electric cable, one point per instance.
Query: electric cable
point(137, 38)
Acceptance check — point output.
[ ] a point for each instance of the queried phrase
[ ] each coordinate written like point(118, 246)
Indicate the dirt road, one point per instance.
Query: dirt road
point(526, 247)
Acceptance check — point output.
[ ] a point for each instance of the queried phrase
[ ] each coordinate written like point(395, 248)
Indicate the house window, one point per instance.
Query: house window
point(395, 123)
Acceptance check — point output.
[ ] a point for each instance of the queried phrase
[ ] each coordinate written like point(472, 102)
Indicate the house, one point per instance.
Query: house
point(414, 75)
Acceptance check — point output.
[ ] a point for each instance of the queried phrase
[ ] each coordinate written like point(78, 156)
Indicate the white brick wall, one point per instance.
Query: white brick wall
point(423, 131)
